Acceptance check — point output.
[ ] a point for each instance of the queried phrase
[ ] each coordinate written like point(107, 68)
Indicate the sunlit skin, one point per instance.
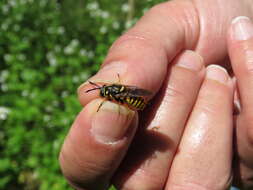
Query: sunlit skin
point(184, 138)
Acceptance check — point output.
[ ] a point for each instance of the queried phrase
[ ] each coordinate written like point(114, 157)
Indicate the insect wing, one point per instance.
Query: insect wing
point(134, 91)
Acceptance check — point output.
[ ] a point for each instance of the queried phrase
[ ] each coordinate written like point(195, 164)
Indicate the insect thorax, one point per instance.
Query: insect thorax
point(111, 90)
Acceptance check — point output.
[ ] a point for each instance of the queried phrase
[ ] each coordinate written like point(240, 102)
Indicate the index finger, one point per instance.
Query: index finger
point(142, 54)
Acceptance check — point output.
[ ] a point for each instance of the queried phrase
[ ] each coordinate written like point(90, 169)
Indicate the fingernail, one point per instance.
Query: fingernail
point(190, 60)
point(111, 123)
point(242, 28)
point(218, 73)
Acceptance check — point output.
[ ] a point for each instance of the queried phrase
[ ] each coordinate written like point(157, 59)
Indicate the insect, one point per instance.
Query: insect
point(130, 96)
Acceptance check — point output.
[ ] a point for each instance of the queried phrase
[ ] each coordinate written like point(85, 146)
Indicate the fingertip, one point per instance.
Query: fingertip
point(219, 74)
point(96, 143)
point(190, 60)
point(241, 28)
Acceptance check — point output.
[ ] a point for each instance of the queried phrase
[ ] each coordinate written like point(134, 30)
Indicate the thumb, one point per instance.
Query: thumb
point(96, 144)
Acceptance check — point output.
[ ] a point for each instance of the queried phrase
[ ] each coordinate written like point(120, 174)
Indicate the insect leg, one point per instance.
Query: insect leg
point(101, 105)
point(119, 109)
point(118, 78)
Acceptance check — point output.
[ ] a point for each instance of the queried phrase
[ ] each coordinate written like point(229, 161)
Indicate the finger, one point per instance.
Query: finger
point(240, 45)
point(148, 161)
point(203, 159)
point(96, 143)
point(142, 54)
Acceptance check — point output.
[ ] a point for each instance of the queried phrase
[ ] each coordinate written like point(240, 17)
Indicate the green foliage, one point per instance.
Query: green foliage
point(47, 49)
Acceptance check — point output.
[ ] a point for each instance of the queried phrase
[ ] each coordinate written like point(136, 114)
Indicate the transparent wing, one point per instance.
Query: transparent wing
point(134, 91)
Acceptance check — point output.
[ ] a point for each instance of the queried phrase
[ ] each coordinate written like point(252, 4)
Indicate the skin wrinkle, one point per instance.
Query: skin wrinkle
point(132, 36)
point(206, 35)
point(188, 185)
point(162, 10)
point(249, 59)
point(192, 27)
point(171, 94)
point(197, 186)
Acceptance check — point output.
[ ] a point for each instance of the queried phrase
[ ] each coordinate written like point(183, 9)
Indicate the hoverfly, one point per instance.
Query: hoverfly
point(130, 96)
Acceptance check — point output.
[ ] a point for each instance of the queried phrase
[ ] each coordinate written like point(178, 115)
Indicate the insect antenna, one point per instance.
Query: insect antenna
point(92, 89)
point(94, 84)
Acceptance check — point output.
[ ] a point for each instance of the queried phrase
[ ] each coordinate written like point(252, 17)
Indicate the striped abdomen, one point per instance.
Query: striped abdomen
point(136, 103)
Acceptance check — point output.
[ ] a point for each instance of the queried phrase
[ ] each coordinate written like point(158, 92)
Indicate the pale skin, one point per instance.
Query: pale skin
point(184, 139)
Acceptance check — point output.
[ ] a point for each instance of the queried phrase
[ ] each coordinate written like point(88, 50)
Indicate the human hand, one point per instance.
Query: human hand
point(240, 45)
point(98, 141)
point(152, 44)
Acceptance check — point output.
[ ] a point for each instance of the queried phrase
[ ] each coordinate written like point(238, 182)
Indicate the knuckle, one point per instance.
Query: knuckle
point(133, 41)
point(82, 173)
point(131, 38)
point(177, 94)
point(207, 106)
point(195, 186)
point(188, 185)
point(218, 185)
point(249, 61)
point(243, 56)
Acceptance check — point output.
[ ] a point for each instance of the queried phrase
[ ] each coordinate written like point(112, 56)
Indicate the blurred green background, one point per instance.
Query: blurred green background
point(47, 49)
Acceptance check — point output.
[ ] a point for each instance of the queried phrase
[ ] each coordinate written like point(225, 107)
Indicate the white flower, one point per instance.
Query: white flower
point(64, 94)
point(128, 24)
point(93, 6)
point(51, 59)
point(61, 30)
point(75, 79)
point(53, 62)
point(4, 75)
point(90, 54)
point(74, 42)
point(125, 8)
point(104, 14)
point(46, 118)
point(56, 144)
point(4, 26)
point(103, 30)
point(83, 52)
point(4, 87)
point(12, 3)
point(68, 50)
point(115, 25)
point(4, 112)
point(21, 57)
point(25, 93)
point(7, 57)
point(5, 9)
point(84, 76)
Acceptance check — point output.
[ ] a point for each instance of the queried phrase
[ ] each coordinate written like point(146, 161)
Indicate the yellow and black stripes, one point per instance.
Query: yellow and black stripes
point(135, 102)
